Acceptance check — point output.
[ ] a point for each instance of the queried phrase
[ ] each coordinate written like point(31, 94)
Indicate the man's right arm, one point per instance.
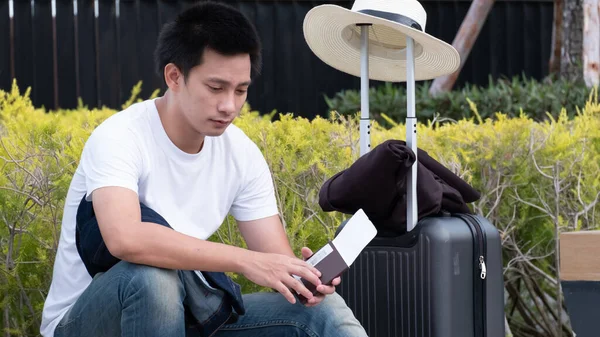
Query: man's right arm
point(128, 238)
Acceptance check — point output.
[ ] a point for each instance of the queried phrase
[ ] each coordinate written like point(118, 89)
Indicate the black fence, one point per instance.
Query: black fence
point(98, 50)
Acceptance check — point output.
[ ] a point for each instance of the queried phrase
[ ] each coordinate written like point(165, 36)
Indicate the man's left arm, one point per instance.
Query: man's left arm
point(256, 212)
point(269, 235)
point(266, 235)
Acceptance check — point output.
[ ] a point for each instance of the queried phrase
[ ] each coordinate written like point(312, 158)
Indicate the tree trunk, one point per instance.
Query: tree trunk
point(591, 42)
point(572, 38)
point(557, 30)
point(463, 42)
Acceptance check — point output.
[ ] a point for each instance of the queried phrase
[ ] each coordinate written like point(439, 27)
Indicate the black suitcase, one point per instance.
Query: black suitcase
point(430, 282)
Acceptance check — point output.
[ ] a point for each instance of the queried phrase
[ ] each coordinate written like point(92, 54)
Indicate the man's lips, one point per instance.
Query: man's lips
point(221, 121)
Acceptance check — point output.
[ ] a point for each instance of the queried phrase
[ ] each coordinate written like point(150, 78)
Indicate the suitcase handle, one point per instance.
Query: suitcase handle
point(411, 119)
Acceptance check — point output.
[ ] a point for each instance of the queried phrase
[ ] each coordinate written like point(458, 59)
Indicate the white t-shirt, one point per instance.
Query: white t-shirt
point(193, 192)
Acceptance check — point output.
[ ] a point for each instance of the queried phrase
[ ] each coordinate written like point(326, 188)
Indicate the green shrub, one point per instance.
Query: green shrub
point(535, 178)
point(510, 97)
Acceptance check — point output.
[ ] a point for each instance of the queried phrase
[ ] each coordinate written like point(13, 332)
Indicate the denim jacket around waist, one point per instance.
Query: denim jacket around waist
point(207, 309)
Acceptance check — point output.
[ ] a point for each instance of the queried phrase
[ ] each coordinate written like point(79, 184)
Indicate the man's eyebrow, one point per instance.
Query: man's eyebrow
point(227, 83)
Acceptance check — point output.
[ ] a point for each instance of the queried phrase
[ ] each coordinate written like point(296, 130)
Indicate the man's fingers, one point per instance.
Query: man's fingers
point(299, 287)
point(327, 290)
point(304, 266)
point(313, 301)
point(285, 291)
point(307, 274)
point(306, 253)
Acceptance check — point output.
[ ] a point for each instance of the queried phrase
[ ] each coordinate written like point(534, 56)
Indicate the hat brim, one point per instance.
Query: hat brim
point(332, 34)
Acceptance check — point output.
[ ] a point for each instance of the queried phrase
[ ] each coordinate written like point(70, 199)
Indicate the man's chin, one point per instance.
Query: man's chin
point(216, 132)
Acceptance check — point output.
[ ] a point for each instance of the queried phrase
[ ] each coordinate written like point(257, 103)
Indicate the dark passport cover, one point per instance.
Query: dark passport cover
point(352, 237)
point(329, 262)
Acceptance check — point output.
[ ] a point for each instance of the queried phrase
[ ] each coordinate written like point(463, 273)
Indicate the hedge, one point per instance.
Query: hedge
point(535, 178)
point(511, 96)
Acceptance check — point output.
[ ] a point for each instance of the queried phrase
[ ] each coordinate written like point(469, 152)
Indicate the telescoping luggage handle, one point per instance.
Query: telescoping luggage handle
point(411, 120)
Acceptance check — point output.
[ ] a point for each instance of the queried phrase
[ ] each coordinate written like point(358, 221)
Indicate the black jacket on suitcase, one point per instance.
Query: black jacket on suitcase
point(376, 182)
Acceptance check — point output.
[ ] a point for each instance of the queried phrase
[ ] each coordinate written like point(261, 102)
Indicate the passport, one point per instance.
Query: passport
point(335, 257)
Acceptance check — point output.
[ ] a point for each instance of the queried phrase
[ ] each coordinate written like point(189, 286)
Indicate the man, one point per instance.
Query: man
point(156, 180)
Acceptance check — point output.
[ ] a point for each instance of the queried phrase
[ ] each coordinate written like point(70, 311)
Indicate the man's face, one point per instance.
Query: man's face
point(215, 92)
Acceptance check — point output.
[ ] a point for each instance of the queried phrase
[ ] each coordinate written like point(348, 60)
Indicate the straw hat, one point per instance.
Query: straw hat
point(333, 33)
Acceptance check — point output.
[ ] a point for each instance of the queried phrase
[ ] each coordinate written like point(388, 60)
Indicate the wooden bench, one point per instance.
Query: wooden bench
point(580, 280)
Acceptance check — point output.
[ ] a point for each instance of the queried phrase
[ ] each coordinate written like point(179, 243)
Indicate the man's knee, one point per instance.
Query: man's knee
point(151, 283)
point(337, 318)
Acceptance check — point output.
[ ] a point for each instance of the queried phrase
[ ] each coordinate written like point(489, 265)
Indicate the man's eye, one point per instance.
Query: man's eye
point(215, 88)
point(241, 92)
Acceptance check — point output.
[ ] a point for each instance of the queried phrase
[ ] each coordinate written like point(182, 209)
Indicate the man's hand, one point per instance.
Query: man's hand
point(268, 235)
point(275, 271)
point(323, 289)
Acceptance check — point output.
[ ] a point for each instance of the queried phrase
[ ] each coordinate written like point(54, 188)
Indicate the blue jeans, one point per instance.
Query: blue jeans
point(136, 300)
point(127, 299)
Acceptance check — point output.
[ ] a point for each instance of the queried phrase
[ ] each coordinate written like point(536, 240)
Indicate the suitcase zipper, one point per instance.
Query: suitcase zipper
point(482, 267)
point(481, 246)
point(481, 241)
point(482, 249)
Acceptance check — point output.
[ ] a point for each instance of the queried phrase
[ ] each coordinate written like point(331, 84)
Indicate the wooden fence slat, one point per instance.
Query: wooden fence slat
point(87, 67)
point(530, 23)
point(498, 46)
point(108, 59)
point(264, 88)
point(167, 11)
point(539, 15)
point(285, 82)
point(303, 79)
point(23, 43)
point(478, 50)
point(255, 92)
point(5, 47)
point(129, 34)
point(67, 64)
point(148, 27)
point(495, 42)
point(43, 58)
point(482, 51)
point(545, 15)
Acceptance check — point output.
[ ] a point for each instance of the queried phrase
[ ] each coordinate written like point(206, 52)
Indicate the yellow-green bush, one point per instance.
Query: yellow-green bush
point(535, 178)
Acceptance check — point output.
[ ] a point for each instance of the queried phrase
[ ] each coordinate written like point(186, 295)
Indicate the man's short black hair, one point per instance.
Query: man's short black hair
point(217, 26)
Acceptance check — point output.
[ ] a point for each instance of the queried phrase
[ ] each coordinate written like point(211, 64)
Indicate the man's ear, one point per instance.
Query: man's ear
point(173, 77)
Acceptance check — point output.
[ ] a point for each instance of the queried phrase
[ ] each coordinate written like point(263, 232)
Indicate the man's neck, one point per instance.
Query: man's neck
point(181, 134)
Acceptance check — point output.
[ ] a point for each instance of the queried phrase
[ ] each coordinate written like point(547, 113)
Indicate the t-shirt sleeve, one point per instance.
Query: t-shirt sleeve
point(111, 159)
point(256, 196)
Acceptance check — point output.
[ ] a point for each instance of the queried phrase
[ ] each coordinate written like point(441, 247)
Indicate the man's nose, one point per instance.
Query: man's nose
point(227, 104)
